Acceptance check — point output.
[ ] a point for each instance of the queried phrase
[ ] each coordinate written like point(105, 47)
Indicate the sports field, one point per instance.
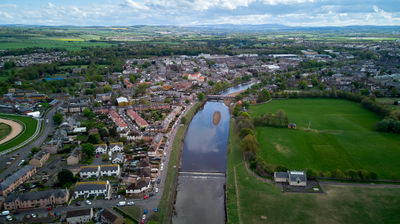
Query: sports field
point(342, 136)
point(250, 200)
point(30, 126)
point(4, 130)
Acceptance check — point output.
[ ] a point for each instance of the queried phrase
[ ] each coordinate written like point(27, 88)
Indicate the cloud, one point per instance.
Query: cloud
point(6, 15)
point(286, 2)
point(135, 5)
point(8, 6)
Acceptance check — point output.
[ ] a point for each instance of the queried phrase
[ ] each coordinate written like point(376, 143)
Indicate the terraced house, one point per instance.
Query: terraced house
point(37, 199)
point(89, 171)
point(93, 189)
point(16, 179)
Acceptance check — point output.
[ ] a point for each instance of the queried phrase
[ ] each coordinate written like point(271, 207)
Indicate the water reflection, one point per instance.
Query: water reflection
point(205, 143)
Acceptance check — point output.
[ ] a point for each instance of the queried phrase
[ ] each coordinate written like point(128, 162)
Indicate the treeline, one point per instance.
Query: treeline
point(280, 119)
point(339, 174)
point(388, 125)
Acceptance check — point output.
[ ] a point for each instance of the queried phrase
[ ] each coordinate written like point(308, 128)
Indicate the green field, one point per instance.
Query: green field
point(4, 130)
point(67, 43)
point(342, 137)
point(30, 125)
point(339, 205)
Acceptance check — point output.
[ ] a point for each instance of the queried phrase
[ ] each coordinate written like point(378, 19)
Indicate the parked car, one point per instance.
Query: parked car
point(9, 218)
point(121, 203)
point(156, 209)
point(77, 203)
point(34, 215)
point(145, 211)
point(156, 190)
point(88, 202)
point(146, 197)
point(131, 203)
point(158, 181)
point(4, 213)
point(144, 217)
point(49, 208)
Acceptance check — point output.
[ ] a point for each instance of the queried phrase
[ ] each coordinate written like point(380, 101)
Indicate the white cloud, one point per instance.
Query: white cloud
point(286, 2)
point(136, 5)
point(6, 15)
point(8, 6)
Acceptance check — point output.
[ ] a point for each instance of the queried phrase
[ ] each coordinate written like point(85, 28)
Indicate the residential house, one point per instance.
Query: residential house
point(79, 216)
point(157, 140)
point(294, 178)
point(39, 159)
point(108, 216)
point(100, 148)
point(116, 147)
point(110, 170)
point(121, 125)
point(94, 188)
point(139, 188)
point(16, 179)
point(119, 158)
point(137, 118)
point(89, 171)
point(38, 199)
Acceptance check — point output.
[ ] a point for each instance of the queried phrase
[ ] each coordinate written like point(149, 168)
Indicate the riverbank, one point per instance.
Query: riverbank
point(168, 198)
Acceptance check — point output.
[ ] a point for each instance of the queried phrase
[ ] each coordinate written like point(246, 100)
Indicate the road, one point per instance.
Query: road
point(25, 151)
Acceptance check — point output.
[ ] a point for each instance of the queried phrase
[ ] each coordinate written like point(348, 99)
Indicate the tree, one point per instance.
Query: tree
point(201, 96)
point(88, 113)
point(94, 138)
point(34, 150)
point(303, 84)
point(263, 96)
point(58, 118)
point(246, 131)
point(65, 178)
point(88, 149)
point(314, 81)
point(249, 144)
point(183, 120)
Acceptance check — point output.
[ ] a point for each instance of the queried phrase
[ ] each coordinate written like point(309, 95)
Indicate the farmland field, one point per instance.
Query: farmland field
point(30, 126)
point(342, 136)
point(250, 200)
point(4, 130)
point(67, 43)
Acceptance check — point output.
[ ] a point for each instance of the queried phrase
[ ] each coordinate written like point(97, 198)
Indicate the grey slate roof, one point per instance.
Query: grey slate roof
point(14, 177)
point(294, 176)
point(80, 212)
point(89, 169)
point(281, 174)
point(106, 168)
point(110, 215)
point(90, 186)
point(29, 196)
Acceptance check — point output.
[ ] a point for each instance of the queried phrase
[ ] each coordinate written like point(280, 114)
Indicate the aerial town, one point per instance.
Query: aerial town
point(173, 130)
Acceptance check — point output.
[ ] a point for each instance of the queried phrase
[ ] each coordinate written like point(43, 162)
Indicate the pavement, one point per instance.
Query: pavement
point(24, 152)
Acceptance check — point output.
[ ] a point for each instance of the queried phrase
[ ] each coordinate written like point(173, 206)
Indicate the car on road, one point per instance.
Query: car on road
point(34, 215)
point(88, 202)
point(144, 217)
point(20, 163)
point(146, 197)
point(4, 213)
point(121, 203)
point(156, 190)
point(145, 211)
point(156, 210)
point(130, 203)
point(158, 181)
point(9, 218)
point(49, 208)
point(142, 222)
point(77, 203)
point(165, 153)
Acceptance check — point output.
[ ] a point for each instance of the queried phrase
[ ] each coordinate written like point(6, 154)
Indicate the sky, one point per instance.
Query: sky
point(308, 13)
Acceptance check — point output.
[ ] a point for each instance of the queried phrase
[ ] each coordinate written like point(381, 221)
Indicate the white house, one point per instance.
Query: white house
point(119, 158)
point(92, 188)
point(110, 170)
point(89, 171)
point(100, 148)
point(294, 178)
point(116, 147)
point(142, 186)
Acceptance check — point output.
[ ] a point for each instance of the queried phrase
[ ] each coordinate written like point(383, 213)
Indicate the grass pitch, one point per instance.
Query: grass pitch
point(250, 200)
point(342, 136)
point(4, 130)
point(30, 126)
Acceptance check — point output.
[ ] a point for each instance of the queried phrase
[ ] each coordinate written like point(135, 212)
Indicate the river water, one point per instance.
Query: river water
point(200, 197)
